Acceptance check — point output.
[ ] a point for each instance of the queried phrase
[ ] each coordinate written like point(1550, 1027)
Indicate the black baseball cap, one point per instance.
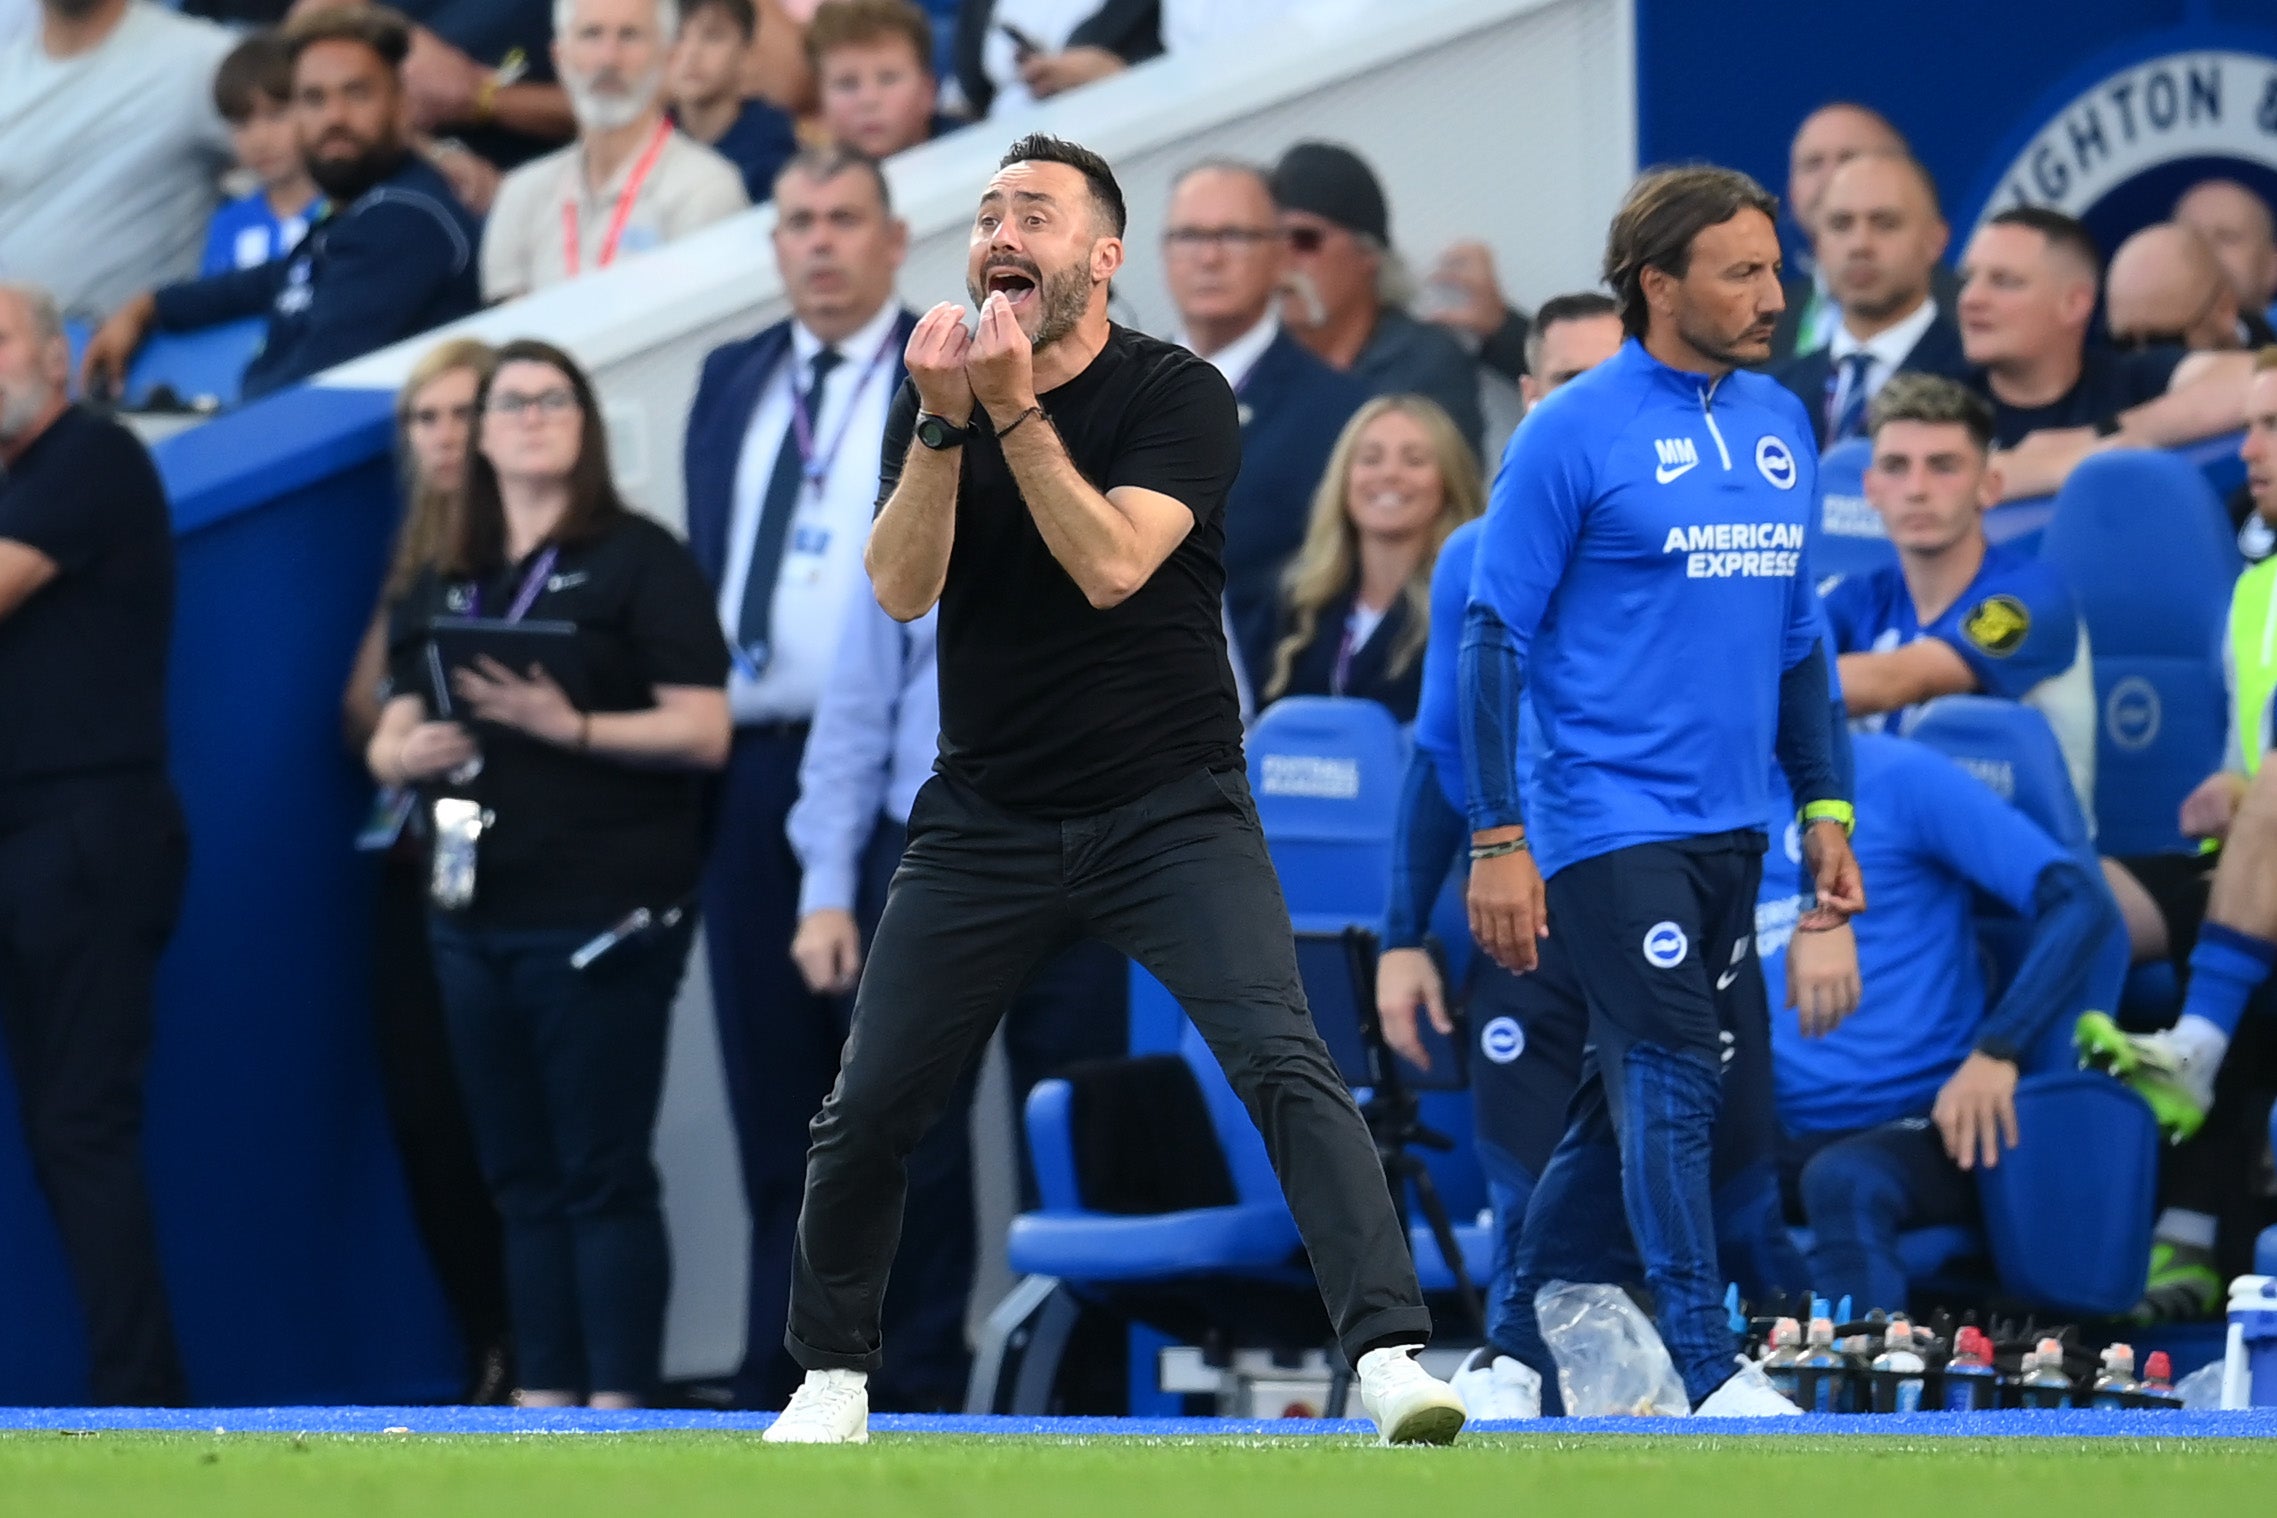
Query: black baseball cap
point(1331, 181)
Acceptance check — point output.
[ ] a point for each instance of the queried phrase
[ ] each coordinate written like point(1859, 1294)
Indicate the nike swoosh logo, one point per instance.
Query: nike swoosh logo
point(1665, 473)
point(1723, 981)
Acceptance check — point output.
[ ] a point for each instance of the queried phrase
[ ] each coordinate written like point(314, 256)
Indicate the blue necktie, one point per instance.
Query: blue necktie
point(1852, 419)
point(753, 626)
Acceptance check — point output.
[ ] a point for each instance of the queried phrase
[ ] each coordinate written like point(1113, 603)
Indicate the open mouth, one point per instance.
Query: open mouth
point(1016, 287)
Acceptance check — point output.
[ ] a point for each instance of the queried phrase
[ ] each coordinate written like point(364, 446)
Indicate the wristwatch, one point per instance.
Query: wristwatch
point(939, 433)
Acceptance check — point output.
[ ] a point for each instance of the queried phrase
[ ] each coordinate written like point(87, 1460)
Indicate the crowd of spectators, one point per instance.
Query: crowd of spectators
point(748, 724)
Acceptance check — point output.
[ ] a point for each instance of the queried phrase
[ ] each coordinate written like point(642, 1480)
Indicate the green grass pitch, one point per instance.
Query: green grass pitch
point(1537, 1475)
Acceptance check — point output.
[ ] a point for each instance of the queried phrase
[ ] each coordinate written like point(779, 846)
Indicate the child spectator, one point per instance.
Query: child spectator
point(873, 60)
point(705, 85)
point(253, 91)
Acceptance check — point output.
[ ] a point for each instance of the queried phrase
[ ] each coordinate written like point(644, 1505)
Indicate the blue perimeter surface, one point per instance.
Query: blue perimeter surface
point(2076, 1423)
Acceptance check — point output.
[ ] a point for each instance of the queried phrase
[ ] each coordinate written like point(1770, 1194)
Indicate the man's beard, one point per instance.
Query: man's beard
point(1726, 350)
point(344, 180)
point(1313, 311)
point(19, 408)
point(600, 110)
point(1062, 297)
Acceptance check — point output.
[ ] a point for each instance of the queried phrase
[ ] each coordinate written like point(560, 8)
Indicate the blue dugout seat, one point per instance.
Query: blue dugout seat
point(1850, 539)
point(2147, 549)
point(207, 364)
point(2067, 1213)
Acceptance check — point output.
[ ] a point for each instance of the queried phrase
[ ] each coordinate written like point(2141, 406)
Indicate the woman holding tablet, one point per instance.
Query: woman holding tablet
point(556, 826)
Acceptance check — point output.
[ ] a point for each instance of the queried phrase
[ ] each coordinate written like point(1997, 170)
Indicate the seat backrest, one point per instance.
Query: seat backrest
point(1238, 1139)
point(1326, 773)
point(208, 363)
point(2068, 1210)
point(2147, 550)
point(1851, 539)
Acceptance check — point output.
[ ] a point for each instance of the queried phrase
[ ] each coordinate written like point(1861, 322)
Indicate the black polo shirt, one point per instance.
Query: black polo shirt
point(83, 661)
point(2109, 382)
point(579, 841)
point(1050, 706)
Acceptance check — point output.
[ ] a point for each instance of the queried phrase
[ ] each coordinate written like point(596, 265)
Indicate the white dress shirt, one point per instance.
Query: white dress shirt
point(822, 551)
point(1887, 347)
point(1238, 357)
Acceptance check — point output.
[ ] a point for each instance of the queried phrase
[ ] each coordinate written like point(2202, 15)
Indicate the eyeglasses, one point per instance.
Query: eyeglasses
point(435, 416)
point(559, 401)
point(1194, 239)
point(1306, 239)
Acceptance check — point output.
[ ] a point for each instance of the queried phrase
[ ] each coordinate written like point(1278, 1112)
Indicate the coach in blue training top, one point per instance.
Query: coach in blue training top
point(1641, 586)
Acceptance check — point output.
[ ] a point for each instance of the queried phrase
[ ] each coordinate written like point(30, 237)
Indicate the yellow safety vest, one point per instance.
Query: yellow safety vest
point(2253, 660)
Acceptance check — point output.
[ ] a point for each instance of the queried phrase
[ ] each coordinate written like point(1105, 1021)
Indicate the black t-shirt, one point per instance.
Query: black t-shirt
point(83, 661)
point(1048, 705)
point(491, 32)
point(2109, 382)
point(579, 841)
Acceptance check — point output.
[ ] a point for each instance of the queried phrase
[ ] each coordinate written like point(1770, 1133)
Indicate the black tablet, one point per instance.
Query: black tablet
point(456, 643)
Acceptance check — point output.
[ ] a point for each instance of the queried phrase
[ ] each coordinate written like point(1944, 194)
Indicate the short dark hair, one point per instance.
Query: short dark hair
point(2065, 232)
point(594, 504)
point(377, 27)
point(740, 13)
point(1107, 195)
point(1932, 399)
point(825, 161)
point(259, 68)
point(1578, 305)
point(1660, 216)
point(848, 23)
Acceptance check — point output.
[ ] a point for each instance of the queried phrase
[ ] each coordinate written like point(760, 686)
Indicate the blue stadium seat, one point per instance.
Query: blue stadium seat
point(1326, 773)
point(2068, 1210)
point(2265, 1247)
point(2216, 458)
point(1851, 539)
point(2147, 549)
point(208, 363)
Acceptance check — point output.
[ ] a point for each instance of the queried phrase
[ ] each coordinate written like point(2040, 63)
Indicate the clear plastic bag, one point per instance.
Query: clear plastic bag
point(2201, 1390)
point(1611, 1362)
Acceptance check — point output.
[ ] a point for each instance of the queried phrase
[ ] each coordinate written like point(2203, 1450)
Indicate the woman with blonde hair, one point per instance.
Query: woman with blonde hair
point(450, 1204)
point(1357, 600)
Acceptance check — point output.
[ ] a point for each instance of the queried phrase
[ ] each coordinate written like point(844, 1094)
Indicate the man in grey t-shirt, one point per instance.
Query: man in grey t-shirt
point(111, 150)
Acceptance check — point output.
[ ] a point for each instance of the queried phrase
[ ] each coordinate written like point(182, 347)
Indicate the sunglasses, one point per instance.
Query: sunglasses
point(1306, 239)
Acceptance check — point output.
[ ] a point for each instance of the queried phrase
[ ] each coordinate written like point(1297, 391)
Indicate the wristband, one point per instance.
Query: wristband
point(1498, 850)
point(1831, 811)
point(1009, 427)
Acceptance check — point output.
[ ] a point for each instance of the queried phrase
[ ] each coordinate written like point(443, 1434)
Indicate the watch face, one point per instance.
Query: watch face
point(935, 433)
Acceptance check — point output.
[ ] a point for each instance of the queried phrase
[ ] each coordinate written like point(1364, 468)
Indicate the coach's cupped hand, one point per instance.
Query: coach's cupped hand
point(1002, 364)
point(938, 348)
point(1834, 871)
point(1509, 916)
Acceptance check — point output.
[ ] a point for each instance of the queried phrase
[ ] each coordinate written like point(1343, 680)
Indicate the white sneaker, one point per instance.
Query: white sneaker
point(1497, 1388)
point(1748, 1394)
point(830, 1407)
point(1410, 1405)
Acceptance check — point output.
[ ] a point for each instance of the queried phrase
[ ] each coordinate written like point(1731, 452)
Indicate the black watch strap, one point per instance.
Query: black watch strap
point(939, 433)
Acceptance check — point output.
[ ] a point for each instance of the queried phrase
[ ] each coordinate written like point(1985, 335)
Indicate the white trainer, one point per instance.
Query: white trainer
point(1496, 1388)
point(1749, 1394)
point(1410, 1405)
point(830, 1407)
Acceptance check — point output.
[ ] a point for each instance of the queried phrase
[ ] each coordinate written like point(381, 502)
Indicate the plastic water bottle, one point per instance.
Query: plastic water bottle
point(1971, 1382)
point(1779, 1361)
point(2157, 1389)
point(1821, 1371)
point(1898, 1371)
point(2116, 1386)
point(2044, 1384)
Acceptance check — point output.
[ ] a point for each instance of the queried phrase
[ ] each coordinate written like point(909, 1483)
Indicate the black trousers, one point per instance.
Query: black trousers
point(91, 875)
point(1180, 881)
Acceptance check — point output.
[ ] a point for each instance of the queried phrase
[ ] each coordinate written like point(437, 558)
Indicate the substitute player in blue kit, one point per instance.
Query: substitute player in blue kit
point(1956, 613)
point(1641, 587)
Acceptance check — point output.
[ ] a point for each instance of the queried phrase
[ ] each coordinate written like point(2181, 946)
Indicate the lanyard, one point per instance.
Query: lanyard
point(571, 243)
point(816, 466)
point(532, 584)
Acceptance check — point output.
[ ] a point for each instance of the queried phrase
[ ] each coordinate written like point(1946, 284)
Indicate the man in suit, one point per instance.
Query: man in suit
point(1880, 235)
point(1225, 261)
point(782, 465)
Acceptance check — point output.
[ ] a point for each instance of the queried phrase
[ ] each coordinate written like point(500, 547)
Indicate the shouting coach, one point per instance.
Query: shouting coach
point(1056, 483)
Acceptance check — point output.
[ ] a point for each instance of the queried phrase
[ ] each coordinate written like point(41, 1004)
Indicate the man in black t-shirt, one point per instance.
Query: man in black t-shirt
point(92, 848)
point(2028, 288)
point(1056, 484)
